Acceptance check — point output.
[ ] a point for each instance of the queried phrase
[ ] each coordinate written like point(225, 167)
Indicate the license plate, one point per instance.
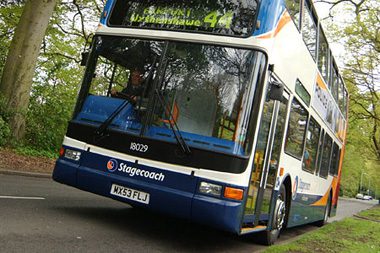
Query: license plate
point(129, 193)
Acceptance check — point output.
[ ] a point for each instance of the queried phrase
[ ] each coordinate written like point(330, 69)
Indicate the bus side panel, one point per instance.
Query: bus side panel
point(65, 172)
point(303, 211)
point(222, 214)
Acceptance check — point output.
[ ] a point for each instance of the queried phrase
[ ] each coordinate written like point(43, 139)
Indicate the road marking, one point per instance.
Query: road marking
point(19, 197)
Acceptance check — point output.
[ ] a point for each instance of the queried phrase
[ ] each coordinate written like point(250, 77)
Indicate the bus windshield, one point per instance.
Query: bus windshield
point(205, 91)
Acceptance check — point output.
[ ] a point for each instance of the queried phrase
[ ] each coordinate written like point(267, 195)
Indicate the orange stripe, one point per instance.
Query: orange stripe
point(320, 82)
point(334, 186)
point(266, 36)
point(323, 201)
point(283, 21)
point(342, 152)
point(285, 18)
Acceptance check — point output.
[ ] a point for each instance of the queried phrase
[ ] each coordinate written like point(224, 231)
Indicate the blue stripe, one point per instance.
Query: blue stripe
point(269, 15)
point(107, 9)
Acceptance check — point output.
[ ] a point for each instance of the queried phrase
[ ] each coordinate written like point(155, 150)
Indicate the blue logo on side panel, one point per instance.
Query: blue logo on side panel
point(112, 165)
point(294, 189)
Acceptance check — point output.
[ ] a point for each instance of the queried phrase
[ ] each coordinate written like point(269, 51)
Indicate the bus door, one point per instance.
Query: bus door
point(266, 161)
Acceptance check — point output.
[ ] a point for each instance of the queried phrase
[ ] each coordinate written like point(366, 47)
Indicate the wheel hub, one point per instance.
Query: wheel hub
point(279, 214)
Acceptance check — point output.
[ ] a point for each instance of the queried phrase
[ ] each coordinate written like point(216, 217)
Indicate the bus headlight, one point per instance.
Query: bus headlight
point(72, 154)
point(210, 189)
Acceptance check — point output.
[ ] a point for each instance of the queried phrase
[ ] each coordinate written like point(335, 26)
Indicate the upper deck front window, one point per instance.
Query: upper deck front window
point(226, 17)
point(204, 92)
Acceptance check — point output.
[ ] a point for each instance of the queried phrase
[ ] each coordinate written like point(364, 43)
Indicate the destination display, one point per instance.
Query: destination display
point(227, 17)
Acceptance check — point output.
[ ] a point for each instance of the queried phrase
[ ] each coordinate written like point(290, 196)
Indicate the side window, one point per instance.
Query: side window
point(311, 148)
point(302, 92)
point(326, 154)
point(334, 160)
point(323, 56)
point(345, 103)
point(320, 146)
point(334, 82)
point(341, 95)
point(108, 75)
point(296, 130)
point(293, 7)
point(309, 29)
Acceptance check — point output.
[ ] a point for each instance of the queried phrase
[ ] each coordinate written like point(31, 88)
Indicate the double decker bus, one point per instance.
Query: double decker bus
point(239, 122)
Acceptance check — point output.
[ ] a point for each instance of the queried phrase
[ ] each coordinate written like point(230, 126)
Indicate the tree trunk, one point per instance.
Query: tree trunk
point(19, 68)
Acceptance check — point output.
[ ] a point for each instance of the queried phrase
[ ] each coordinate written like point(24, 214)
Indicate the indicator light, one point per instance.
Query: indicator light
point(233, 193)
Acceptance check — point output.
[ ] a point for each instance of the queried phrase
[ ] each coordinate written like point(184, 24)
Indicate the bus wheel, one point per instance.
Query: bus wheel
point(327, 213)
point(279, 218)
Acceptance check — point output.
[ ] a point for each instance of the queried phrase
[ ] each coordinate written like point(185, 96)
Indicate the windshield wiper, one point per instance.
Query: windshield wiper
point(173, 124)
point(156, 82)
point(147, 83)
point(101, 130)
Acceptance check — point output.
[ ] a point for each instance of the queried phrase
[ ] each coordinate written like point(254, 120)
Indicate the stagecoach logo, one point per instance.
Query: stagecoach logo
point(112, 165)
point(294, 189)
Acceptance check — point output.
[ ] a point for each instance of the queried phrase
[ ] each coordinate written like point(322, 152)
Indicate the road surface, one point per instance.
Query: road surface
point(39, 215)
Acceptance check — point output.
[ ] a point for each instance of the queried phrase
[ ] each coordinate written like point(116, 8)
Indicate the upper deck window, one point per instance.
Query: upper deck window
point(293, 7)
point(309, 29)
point(226, 17)
point(345, 101)
point(323, 56)
point(341, 94)
point(334, 82)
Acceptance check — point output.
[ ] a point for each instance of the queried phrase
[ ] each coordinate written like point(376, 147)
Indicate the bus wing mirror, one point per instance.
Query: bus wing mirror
point(84, 58)
point(276, 90)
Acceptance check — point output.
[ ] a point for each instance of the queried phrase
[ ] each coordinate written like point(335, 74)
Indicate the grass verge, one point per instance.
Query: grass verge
point(354, 234)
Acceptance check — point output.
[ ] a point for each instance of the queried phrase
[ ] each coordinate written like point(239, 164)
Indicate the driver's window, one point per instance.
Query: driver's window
point(108, 76)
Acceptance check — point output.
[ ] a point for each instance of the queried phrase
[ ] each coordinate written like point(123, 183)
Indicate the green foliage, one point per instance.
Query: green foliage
point(58, 72)
point(30, 151)
point(359, 157)
point(49, 111)
point(58, 77)
point(5, 131)
point(9, 16)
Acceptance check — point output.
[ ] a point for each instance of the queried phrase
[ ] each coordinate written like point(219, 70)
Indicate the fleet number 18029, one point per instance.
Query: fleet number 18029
point(138, 147)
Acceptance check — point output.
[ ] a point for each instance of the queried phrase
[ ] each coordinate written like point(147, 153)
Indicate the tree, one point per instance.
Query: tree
point(18, 72)
point(58, 73)
point(363, 69)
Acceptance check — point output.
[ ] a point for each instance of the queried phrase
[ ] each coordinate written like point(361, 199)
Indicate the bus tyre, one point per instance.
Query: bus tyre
point(279, 219)
point(326, 214)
